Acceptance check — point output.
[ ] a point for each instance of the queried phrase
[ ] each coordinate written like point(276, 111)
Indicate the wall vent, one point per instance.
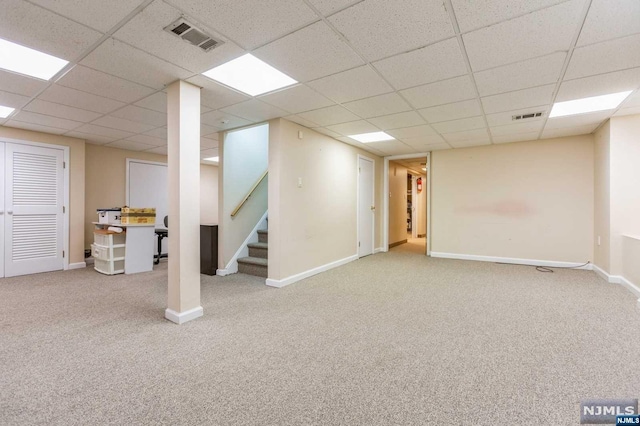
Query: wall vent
point(193, 35)
point(528, 115)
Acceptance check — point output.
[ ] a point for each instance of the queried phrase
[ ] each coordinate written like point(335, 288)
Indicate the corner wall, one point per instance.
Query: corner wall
point(602, 198)
point(397, 203)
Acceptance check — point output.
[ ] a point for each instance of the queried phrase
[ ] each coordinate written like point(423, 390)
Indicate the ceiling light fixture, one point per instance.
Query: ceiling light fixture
point(214, 159)
point(592, 104)
point(250, 75)
point(372, 137)
point(23, 60)
point(5, 111)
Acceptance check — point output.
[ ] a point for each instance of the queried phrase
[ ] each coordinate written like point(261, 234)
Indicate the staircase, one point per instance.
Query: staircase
point(256, 262)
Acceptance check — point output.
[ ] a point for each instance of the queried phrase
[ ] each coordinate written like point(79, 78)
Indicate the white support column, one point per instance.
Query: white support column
point(183, 128)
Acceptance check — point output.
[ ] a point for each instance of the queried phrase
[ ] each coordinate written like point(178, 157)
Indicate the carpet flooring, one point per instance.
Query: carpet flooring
point(390, 339)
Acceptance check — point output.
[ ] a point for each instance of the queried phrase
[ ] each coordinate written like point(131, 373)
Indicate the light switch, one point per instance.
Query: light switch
point(299, 182)
point(300, 134)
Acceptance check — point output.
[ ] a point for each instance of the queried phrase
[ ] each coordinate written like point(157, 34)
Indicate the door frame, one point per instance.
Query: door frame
point(373, 198)
point(65, 184)
point(385, 201)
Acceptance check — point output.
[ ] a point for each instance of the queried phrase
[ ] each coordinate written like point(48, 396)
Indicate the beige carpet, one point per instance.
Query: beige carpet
point(413, 245)
point(392, 338)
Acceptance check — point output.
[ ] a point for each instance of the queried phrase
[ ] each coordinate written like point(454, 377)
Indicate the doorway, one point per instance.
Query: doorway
point(366, 205)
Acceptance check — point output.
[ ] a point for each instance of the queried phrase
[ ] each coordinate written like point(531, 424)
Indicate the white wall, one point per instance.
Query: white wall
point(602, 198)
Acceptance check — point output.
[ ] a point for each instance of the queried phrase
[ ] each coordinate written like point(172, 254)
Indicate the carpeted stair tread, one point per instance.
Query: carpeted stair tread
point(258, 245)
point(253, 261)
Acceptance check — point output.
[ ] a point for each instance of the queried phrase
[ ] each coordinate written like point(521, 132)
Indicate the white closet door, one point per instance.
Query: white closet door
point(33, 209)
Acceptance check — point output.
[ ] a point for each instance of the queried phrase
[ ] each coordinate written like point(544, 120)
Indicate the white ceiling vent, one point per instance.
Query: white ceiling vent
point(528, 115)
point(189, 33)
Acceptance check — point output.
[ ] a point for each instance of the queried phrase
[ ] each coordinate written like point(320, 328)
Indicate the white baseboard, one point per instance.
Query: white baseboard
point(378, 250)
point(224, 272)
point(243, 251)
point(182, 317)
point(601, 272)
point(79, 265)
point(311, 272)
point(530, 262)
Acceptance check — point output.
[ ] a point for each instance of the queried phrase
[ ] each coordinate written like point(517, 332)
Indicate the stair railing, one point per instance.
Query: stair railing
point(249, 194)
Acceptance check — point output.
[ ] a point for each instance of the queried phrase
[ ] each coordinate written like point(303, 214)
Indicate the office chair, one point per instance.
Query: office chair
point(161, 233)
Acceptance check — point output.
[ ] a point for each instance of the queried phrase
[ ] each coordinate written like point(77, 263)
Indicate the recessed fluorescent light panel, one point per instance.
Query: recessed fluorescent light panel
point(372, 137)
point(23, 60)
point(5, 111)
point(250, 75)
point(592, 104)
point(214, 159)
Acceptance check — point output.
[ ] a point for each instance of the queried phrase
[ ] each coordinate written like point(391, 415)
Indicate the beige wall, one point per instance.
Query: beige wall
point(421, 207)
point(397, 203)
point(528, 200)
point(602, 199)
point(106, 184)
point(76, 184)
point(314, 225)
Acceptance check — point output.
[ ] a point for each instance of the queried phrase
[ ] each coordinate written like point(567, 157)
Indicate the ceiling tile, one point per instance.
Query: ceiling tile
point(521, 75)
point(454, 111)
point(604, 57)
point(213, 136)
point(146, 32)
point(511, 129)
point(45, 120)
point(297, 99)
point(318, 52)
point(148, 140)
point(327, 132)
point(160, 132)
point(607, 20)
point(156, 102)
point(632, 101)
point(78, 99)
point(122, 124)
point(40, 29)
point(473, 15)
point(215, 95)
point(392, 147)
point(93, 139)
point(120, 59)
point(329, 115)
point(129, 145)
point(208, 153)
point(440, 93)
point(518, 100)
point(535, 34)
point(301, 121)
point(20, 84)
point(460, 125)
point(368, 26)
point(357, 83)
point(519, 137)
point(423, 142)
point(208, 143)
point(376, 106)
point(34, 127)
point(394, 121)
point(469, 143)
point(142, 115)
point(327, 7)
point(223, 120)
point(568, 131)
point(506, 117)
point(255, 110)
point(207, 130)
point(162, 150)
point(602, 84)
point(413, 132)
point(594, 118)
point(438, 147)
point(12, 100)
point(98, 14)
point(101, 84)
point(628, 111)
point(477, 135)
point(250, 23)
point(439, 61)
point(61, 111)
point(353, 128)
point(103, 131)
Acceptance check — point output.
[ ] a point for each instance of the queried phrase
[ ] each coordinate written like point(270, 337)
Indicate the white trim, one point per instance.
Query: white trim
point(182, 317)
point(529, 262)
point(601, 272)
point(243, 251)
point(78, 265)
point(311, 272)
point(378, 250)
point(618, 279)
point(358, 206)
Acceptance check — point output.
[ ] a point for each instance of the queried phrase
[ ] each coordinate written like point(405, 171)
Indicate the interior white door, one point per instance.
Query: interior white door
point(33, 202)
point(366, 206)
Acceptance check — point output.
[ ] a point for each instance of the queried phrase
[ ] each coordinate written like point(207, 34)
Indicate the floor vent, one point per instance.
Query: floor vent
point(192, 35)
point(525, 116)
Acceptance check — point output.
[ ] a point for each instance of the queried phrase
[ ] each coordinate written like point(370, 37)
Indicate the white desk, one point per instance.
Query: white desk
point(138, 246)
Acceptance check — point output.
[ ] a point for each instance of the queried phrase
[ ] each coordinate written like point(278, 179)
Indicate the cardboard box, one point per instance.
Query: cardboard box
point(138, 216)
point(109, 215)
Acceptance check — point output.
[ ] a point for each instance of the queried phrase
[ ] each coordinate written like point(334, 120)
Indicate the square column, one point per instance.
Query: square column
point(183, 129)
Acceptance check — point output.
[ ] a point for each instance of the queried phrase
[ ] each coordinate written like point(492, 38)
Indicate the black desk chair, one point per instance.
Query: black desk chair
point(161, 233)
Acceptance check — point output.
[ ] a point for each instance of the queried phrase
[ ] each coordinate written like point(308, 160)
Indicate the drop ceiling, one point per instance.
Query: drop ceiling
point(434, 74)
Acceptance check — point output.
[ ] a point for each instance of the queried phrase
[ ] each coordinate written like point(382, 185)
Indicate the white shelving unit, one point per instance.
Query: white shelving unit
point(129, 252)
point(109, 251)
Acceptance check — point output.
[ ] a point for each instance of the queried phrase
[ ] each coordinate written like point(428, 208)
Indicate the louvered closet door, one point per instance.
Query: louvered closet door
point(33, 209)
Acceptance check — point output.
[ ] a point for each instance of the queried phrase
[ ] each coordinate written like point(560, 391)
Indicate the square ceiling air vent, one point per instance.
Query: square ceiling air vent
point(528, 115)
point(193, 35)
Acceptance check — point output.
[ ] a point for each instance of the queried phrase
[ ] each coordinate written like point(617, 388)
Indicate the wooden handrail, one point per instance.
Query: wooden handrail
point(246, 197)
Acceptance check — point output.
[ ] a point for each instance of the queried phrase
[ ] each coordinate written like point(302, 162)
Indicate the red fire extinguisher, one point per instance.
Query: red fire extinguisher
point(419, 182)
